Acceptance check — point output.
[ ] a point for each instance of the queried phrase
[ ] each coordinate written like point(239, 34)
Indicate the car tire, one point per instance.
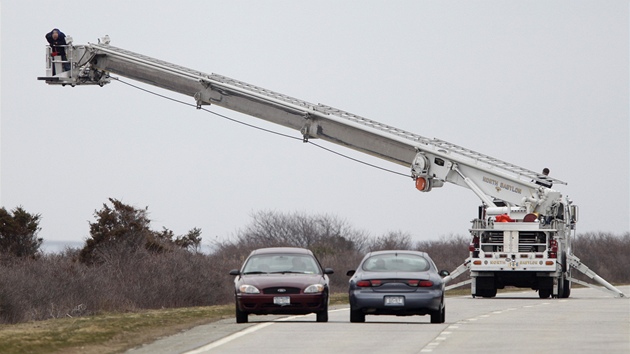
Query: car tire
point(241, 317)
point(357, 316)
point(322, 316)
point(439, 316)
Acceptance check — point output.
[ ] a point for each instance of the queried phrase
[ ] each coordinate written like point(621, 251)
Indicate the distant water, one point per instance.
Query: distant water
point(59, 246)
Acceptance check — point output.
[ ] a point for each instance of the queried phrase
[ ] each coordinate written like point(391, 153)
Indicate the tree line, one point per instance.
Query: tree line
point(124, 265)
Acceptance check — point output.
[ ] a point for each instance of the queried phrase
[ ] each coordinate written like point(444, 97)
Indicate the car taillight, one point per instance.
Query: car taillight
point(420, 283)
point(368, 283)
point(364, 283)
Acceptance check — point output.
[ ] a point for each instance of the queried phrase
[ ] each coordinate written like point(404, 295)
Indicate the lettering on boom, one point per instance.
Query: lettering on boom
point(491, 181)
point(511, 188)
point(501, 185)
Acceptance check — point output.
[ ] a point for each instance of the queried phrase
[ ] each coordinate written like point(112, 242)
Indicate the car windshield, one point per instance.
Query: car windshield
point(396, 262)
point(281, 263)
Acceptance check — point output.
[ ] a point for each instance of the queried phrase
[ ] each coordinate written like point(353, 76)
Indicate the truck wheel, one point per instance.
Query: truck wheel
point(565, 290)
point(544, 293)
point(241, 317)
point(565, 285)
point(486, 293)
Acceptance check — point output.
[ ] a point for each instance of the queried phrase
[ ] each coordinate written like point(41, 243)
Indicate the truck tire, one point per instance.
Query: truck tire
point(564, 290)
point(486, 293)
point(544, 293)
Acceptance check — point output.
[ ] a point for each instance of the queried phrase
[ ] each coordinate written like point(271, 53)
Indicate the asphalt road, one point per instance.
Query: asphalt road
point(590, 321)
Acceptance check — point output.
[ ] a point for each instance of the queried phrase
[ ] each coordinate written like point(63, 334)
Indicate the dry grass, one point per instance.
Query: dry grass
point(112, 332)
point(106, 333)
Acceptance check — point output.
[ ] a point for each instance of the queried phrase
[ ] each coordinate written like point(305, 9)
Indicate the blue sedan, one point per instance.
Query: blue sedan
point(397, 282)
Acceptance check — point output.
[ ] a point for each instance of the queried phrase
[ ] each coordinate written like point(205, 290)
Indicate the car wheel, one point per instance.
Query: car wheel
point(439, 316)
point(357, 316)
point(322, 316)
point(241, 317)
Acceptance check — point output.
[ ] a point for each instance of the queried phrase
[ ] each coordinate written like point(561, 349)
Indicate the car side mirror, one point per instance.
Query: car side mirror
point(350, 272)
point(235, 272)
point(444, 273)
point(328, 271)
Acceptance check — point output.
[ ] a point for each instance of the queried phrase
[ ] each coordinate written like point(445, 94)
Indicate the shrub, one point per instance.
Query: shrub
point(18, 233)
point(124, 226)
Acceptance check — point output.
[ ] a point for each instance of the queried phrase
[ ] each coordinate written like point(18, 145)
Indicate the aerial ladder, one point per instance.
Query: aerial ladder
point(521, 235)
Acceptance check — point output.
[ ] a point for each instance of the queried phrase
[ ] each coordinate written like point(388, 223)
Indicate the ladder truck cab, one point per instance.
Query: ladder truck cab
point(521, 235)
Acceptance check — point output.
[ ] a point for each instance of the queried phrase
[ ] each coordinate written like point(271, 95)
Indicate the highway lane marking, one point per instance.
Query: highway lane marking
point(444, 335)
point(244, 332)
point(427, 348)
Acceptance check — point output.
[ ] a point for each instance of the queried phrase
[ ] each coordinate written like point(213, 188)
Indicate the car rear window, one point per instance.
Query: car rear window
point(396, 262)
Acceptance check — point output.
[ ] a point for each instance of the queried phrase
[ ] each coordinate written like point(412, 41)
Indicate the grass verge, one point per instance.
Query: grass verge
point(106, 333)
point(111, 332)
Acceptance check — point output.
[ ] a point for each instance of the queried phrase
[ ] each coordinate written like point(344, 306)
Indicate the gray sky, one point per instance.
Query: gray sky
point(535, 83)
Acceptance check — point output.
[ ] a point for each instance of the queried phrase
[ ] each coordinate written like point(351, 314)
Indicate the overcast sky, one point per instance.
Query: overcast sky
point(535, 83)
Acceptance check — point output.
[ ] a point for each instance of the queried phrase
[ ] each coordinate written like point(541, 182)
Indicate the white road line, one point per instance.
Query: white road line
point(229, 338)
point(246, 331)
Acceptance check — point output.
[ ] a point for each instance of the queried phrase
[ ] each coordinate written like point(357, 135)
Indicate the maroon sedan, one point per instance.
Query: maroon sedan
point(281, 280)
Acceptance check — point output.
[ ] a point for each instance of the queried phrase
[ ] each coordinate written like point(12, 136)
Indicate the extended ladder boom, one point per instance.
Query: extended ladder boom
point(433, 161)
point(541, 212)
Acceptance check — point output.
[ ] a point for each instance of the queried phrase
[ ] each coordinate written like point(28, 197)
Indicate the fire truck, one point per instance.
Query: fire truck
point(521, 233)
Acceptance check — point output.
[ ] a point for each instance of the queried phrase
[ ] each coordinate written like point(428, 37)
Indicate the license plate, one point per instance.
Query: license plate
point(282, 300)
point(394, 301)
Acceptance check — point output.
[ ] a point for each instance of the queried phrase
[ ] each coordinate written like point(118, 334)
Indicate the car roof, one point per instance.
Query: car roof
point(268, 250)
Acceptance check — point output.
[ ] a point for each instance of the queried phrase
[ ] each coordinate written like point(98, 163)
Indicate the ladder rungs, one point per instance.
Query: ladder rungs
point(453, 148)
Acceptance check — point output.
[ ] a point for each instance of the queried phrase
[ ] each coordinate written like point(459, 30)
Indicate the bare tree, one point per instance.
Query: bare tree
point(393, 240)
point(272, 229)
